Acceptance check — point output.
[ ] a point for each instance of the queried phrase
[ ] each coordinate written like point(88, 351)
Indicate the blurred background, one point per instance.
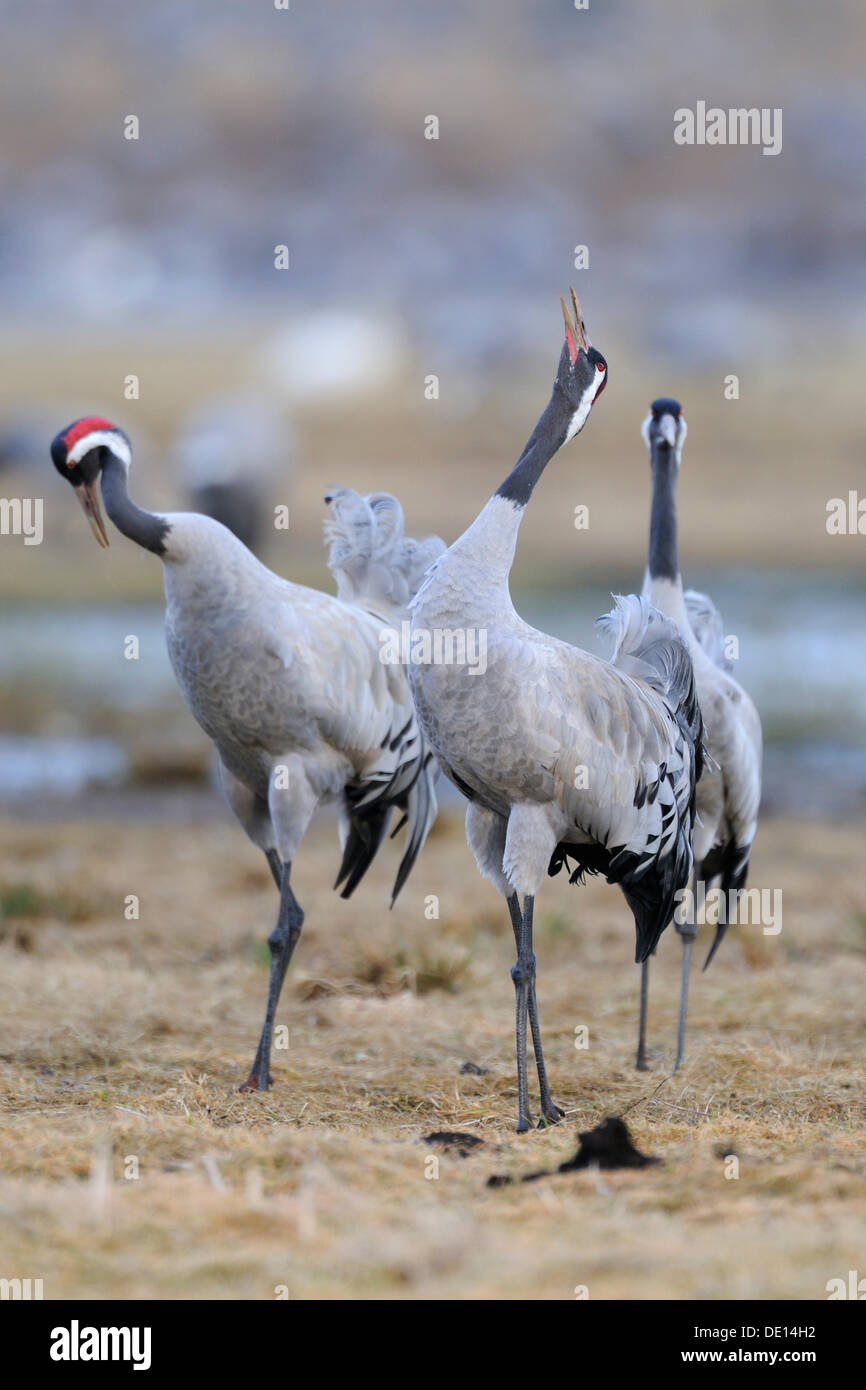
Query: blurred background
point(154, 258)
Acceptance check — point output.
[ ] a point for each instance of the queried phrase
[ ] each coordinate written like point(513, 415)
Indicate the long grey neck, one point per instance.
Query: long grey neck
point(548, 436)
point(145, 528)
point(485, 552)
point(663, 558)
point(663, 584)
point(472, 576)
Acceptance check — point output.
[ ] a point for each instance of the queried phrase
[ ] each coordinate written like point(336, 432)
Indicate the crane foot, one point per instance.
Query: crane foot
point(551, 1115)
point(253, 1083)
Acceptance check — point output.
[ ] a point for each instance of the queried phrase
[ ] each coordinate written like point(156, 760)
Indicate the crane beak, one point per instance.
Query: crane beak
point(668, 430)
point(575, 329)
point(88, 496)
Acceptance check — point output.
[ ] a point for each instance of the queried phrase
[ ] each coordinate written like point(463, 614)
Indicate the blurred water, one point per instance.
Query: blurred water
point(802, 644)
point(61, 650)
point(63, 766)
point(802, 640)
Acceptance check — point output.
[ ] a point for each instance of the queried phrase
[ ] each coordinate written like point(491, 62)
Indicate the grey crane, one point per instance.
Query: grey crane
point(729, 791)
point(562, 756)
point(286, 681)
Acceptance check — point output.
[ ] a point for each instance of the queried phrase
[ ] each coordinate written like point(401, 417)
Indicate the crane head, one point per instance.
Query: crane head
point(582, 374)
point(79, 452)
point(665, 427)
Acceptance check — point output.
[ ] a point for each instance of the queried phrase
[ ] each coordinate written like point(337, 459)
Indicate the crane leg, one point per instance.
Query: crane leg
point(550, 1111)
point(523, 975)
point(282, 942)
point(688, 942)
point(275, 864)
point(688, 931)
point(640, 1060)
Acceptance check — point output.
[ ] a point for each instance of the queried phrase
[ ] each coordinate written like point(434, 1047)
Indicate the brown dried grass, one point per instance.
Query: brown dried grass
point(127, 1039)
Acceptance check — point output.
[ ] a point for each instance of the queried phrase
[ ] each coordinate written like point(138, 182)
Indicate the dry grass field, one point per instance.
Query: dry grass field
point(127, 1039)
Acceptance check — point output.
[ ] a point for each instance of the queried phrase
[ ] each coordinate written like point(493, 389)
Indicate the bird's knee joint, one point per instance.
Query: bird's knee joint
point(523, 970)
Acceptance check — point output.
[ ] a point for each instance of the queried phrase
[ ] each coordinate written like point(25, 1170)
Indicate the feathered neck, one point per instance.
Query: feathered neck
point(147, 529)
point(549, 435)
point(491, 540)
point(663, 560)
point(663, 584)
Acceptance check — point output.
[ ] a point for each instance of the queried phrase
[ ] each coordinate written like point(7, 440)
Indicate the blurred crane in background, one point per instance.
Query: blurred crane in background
point(229, 455)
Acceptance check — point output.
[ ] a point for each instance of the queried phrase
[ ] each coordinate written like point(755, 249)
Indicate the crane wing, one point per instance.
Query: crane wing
point(292, 671)
point(629, 737)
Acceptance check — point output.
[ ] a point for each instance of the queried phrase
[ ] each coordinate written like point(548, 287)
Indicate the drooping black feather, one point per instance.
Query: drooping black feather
point(649, 647)
point(367, 830)
point(368, 825)
point(732, 862)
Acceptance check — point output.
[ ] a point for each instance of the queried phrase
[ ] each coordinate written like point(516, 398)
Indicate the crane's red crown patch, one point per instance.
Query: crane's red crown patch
point(86, 425)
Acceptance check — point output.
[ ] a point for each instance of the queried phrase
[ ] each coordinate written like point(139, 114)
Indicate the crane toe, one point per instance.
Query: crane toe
point(551, 1115)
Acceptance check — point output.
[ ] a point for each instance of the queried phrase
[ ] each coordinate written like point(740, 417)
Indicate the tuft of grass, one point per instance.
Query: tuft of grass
point(23, 905)
point(420, 972)
point(858, 923)
point(20, 900)
point(555, 924)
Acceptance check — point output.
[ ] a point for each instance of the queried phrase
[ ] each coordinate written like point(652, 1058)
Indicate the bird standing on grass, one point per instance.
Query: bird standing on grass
point(562, 756)
point(729, 791)
point(287, 681)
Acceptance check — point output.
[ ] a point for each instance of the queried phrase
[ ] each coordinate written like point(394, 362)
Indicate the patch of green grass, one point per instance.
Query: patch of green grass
point(555, 924)
point(858, 922)
point(20, 900)
point(27, 902)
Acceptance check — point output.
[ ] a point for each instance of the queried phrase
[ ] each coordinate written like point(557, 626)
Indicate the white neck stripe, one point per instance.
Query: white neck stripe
point(579, 418)
point(97, 439)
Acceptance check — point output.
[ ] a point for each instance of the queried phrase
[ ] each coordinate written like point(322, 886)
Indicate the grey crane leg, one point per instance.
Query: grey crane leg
point(521, 974)
point(688, 931)
point(640, 1060)
point(688, 942)
point(551, 1113)
point(275, 864)
point(282, 942)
